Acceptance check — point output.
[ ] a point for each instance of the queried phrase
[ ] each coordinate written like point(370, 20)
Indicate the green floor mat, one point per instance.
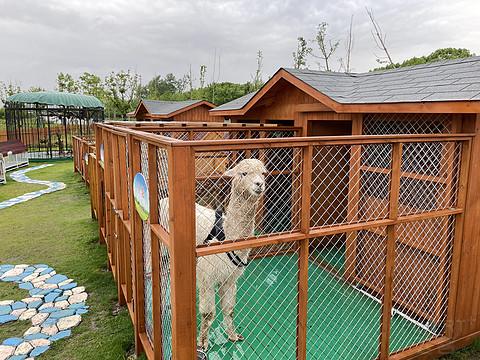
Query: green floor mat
point(342, 322)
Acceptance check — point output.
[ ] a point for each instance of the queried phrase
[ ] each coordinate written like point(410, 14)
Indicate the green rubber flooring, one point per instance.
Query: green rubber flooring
point(342, 322)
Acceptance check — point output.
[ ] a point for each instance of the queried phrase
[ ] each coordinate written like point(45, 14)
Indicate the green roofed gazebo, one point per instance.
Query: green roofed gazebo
point(45, 121)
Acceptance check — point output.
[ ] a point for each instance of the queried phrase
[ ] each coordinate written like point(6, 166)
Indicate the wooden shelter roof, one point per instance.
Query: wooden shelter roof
point(439, 82)
point(166, 109)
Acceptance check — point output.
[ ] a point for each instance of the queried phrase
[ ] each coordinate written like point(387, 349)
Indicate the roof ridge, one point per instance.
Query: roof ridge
point(437, 63)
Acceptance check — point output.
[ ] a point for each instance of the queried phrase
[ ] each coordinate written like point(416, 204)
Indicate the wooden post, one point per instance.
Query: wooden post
point(100, 183)
point(137, 240)
point(458, 237)
point(466, 311)
point(353, 199)
point(181, 181)
point(390, 253)
point(302, 306)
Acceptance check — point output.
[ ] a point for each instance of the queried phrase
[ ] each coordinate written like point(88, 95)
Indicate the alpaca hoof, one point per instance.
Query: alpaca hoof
point(236, 337)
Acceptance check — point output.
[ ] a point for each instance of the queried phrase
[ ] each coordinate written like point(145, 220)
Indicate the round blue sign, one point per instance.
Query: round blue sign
point(141, 196)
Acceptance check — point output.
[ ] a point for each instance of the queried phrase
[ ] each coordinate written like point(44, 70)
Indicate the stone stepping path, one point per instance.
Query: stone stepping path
point(55, 305)
point(21, 177)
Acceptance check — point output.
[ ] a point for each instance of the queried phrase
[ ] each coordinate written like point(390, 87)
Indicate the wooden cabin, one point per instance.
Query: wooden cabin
point(188, 110)
point(437, 98)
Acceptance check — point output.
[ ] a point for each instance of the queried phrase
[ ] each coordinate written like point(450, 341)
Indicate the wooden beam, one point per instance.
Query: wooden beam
point(302, 300)
point(181, 168)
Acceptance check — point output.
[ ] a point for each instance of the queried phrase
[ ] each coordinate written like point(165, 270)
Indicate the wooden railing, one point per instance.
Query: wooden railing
point(154, 261)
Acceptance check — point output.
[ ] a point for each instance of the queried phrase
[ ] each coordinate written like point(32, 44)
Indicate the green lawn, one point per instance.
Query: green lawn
point(56, 229)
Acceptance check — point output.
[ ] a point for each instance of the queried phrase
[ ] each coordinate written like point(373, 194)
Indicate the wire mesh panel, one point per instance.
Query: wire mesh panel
point(344, 313)
point(266, 185)
point(164, 255)
point(147, 250)
point(421, 281)
point(382, 124)
point(165, 300)
point(429, 175)
point(350, 183)
point(256, 302)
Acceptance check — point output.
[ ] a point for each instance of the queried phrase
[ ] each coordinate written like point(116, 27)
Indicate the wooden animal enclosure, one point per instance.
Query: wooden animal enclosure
point(356, 250)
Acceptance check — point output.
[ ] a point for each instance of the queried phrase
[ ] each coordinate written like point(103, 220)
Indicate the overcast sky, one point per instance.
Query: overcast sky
point(39, 38)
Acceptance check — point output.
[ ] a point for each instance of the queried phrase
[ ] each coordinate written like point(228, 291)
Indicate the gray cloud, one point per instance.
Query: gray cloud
point(38, 39)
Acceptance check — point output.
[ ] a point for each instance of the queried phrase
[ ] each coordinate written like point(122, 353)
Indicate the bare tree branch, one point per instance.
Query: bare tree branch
point(326, 49)
point(349, 47)
point(380, 39)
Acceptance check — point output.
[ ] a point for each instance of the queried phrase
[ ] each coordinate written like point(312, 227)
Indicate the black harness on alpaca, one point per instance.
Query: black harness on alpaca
point(218, 233)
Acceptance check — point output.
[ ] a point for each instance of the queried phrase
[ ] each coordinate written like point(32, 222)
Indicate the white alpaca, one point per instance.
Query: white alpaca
point(223, 270)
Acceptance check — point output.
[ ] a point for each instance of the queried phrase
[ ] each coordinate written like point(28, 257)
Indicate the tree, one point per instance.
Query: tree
point(348, 48)
point(190, 81)
point(326, 47)
point(380, 40)
point(7, 90)
point(300, 56)
point(91, 84)
point(203, 73)
point(66, 83)
point(257, 80)
point(122, 90)
point(437, 55)
point(35, 89)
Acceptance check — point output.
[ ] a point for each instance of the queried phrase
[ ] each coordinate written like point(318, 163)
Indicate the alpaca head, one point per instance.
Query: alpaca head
point(248, 177)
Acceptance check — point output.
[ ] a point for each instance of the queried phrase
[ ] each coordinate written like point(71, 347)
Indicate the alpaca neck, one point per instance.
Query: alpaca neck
point(240, 218)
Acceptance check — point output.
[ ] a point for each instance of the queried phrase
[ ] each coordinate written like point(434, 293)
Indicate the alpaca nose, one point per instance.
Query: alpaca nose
point(258, 183)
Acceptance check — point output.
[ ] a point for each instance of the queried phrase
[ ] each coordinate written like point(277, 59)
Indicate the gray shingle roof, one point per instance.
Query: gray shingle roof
point(158, 107)
point(237, 103)
point(450, 80)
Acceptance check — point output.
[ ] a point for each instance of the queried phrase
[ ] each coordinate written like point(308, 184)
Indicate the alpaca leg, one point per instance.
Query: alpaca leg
point(228, 293)
point(206, 306)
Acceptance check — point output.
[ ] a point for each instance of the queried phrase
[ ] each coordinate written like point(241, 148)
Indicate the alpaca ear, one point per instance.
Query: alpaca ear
point(230, 173)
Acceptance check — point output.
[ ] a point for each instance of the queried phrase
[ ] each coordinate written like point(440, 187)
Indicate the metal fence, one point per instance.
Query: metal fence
point(292, 248)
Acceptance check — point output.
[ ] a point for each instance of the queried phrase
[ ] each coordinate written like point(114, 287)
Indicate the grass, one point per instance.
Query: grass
point(56, 229)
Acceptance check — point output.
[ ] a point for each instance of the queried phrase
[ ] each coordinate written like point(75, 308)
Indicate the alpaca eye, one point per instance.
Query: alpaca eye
point(244, 174)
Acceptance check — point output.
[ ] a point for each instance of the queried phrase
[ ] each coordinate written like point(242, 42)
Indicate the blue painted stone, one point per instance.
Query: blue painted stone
point(12, 278)
point(5, 268)
point(57, 291)
point(62, 313)
point(5, 309)
point(36, 336)
point(18, 305)
point(49, 322)
point(35, 304)
point(51, 297)
point(17, 357)
point(81, 311)
point(39, 350)
point(78, 306)
point(55, 279)
point(46, 271)
point(7, 318)
point(34, 291)
point(68, 286)
point(61, 298)
point(29, 269)
point(13, 341)
point(45, 292)
point(38, 266)
point(26, 286)
point(60, 335)
point(49, 310)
